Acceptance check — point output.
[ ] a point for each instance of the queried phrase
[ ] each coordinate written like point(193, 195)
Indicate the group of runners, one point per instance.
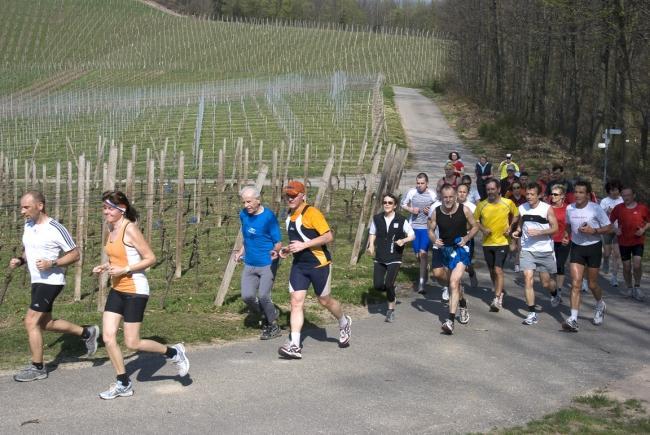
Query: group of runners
point(557, 221)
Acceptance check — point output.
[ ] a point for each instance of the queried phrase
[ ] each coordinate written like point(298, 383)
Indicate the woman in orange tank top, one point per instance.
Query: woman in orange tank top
point(129, 256)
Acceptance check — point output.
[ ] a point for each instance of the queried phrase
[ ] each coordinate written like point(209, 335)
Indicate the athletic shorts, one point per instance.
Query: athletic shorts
point(495, 256)
point(436, 258)
point(302, 276)
point(43, 296)
point(421, 241)
point(609, 238)
point(627, 252)
point(128, 305)
point(590, 255)
point(561, 256)
point(452, 256)
point(539, 261)
point(471, 249)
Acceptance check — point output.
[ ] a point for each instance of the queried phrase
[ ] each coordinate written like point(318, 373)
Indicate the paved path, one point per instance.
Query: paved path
point(404, 377)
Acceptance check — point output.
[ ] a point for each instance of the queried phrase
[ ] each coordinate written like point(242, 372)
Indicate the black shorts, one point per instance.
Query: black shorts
point(43, 296)
point(495, 256)
point(590, 255)
point(436, 258)
point(627, 252)
point(302, 276)
point(128, 305)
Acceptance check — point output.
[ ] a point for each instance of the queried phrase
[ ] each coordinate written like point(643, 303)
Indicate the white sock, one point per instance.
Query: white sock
point(574, 314)
point(422, 280)
point(343, 321)
point(295, 338)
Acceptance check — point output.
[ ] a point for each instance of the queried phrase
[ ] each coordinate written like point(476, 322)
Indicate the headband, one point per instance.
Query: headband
point(111, 204)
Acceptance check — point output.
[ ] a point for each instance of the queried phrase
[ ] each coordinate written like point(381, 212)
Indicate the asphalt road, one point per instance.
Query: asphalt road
point(403, 377)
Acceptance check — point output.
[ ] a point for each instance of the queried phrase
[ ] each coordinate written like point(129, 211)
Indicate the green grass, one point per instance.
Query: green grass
point(595, 414)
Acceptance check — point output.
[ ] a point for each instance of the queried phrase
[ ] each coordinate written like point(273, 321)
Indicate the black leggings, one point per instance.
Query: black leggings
point(561, 255)
point(384, 278)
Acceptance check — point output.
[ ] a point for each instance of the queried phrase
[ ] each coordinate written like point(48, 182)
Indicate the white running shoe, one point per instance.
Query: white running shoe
point(445, 294)
point(517, 268)
point(614, 281)
point(531, 319)
point(599, 312)
point(181, 361)
point(447, 327)
point(117, 390)
point(556, 300)
point(91, 341)
point(637, 294)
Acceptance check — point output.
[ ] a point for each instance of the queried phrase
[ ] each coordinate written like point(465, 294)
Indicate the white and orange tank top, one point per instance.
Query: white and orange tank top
point(120, 254)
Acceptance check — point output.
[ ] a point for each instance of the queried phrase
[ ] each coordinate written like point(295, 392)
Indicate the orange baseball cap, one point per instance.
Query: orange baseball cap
point(294, 188)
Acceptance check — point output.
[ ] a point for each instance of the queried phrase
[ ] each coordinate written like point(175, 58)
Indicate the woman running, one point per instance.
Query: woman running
point(389, 232)
point(129, 255)
point(560, 241)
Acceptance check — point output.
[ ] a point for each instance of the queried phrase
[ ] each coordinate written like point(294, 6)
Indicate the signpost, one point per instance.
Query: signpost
point(607, 136)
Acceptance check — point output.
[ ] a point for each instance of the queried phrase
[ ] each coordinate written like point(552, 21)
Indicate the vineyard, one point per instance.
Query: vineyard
point(181, 113)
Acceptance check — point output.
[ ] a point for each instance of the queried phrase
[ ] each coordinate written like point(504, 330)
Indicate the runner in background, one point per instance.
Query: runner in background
point(483, 171)
point(561, 240)
point(610, 240)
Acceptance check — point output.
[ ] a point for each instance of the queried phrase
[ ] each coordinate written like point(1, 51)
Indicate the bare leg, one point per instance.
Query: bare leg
point(627, 273)
point(332, 305)
point(134, 342)
point(636, 260)
point(110, 326)
point(577, 270)
point(454, 287)
point(592, 276)
point(36, 322)
point(529, 292)
point(297, 314)
point(498, 281)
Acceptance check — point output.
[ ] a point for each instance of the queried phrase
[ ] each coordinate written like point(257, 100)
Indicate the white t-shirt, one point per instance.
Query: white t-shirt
point(473, 196)
point(608, 205)
point(593, 215)
point(470, 205)
point(421, 201)
point(408, 230)
point(45, 242)
point(535, 219)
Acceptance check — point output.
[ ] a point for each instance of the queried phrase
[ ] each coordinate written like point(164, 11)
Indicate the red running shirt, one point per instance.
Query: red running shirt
point(629, 221)
point(560, 215)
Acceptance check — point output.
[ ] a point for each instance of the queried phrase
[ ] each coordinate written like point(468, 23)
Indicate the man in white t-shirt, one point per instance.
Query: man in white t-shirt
point(586, 221)
point(610, 240)
point(44, 240)
point(537, 224)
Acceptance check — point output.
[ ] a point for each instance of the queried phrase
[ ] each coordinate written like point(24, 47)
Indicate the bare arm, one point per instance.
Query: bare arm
point(371, 244)
point(133, 236)
point(324, 239)
point(472, 223)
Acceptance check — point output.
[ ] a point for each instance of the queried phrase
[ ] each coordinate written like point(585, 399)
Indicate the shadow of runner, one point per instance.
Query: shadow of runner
point(148, 364)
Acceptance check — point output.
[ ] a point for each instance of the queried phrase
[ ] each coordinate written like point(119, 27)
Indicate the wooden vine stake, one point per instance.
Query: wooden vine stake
point(78, 267)
point(179, 215)
point(230, 267)
point(149, 197)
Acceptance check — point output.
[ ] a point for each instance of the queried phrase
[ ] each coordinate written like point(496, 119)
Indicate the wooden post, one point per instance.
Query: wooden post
point(230, 267)
point(151, 167)
point(179, 215)
point(129, 180)
point(275, 194)
point(199, 189)
point(245, 173)
point(81, 168)
point(338, 172)
point(70, 196)
point(15, 189)
point(325, 182)
point(220, 188)
point(306, 173)
point(361, 226)
point(161, 183)
point(57, 192)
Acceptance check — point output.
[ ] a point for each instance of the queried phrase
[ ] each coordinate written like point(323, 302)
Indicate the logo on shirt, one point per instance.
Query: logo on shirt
point(252, 230)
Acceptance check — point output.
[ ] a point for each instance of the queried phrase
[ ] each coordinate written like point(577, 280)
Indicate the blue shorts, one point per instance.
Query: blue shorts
point(454, 255)
point(421, 242)
point(302, 276)
point(436, 258)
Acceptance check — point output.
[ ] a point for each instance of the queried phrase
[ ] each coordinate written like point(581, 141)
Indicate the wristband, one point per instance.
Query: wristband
point(128, 270)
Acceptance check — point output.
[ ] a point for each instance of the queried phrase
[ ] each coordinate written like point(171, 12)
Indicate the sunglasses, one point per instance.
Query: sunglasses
point(556, 194)
point(388, 203)
point(290, 197)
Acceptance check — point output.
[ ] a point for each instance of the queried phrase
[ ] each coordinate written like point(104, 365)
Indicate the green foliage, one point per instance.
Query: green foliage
point(502, 131)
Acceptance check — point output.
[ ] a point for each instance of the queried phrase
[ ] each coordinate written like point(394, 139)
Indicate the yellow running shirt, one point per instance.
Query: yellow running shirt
point(496, 217)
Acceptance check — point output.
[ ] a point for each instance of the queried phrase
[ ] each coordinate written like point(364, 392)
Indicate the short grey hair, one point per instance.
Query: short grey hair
point(251, 190)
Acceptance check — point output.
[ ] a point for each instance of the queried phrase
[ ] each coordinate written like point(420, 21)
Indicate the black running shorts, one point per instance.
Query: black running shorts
point(627, 252)
point(128, 305)
point(43, 296)
point(495, 256)
point(590, 255)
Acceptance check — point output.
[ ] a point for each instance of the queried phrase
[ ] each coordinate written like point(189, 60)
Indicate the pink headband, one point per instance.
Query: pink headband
point(111, 204)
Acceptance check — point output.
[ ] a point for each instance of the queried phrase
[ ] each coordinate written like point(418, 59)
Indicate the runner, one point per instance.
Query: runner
point(462, 191)
point(537, 224)
point(438, 271)
point(503, 166)
point(557, 177)
point(418, 203)
point(560, 242)
point(610, 240)
point(543, 180)
point(483, 171)
point(309, 233)
point(459, 166)
point(450, 178)
point(509, 180)
point(633, 222)
point(452, 220)
point(129, 255)
point(496, 217)
point(389, 232)
point(262, 241)
point(586, 222)
point(44, 240)
point(473, 196)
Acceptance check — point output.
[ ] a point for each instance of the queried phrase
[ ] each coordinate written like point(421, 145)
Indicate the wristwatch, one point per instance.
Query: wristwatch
point(55, 263)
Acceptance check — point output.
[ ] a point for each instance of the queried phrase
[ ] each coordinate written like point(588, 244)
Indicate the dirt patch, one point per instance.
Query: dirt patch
point(636, 386)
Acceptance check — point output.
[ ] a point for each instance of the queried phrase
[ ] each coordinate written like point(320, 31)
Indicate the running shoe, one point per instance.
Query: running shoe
point(447, 327)
point(473, 280)
point(345, 333)
point(117, 390)
point(180, 359)
point(291, 351)
point(517, 268)
point(390, 316)
point(570, 325)
point(614, 281)
point(585, 286)
point(599, 312)
point(463, 316)
point(628, 292)
point(637, 294)
point(531, 319)
point(30, 373)
point(91, 341)
point(271, 331)
point(445, 294)
point(495, 306)
point(556, 300)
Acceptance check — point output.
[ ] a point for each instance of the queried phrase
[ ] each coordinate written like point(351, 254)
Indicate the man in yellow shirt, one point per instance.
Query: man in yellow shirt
point(503, 166)
point(496, 217)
